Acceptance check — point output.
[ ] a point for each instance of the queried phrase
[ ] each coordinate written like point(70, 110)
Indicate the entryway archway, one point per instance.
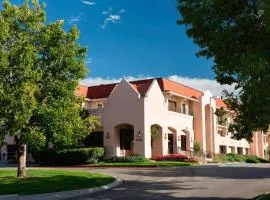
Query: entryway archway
point(125, 135)
point(156, 140)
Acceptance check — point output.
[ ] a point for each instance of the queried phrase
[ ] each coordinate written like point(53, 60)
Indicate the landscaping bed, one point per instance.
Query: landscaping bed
point(230, 157)
point(141, 161)
point(46, 181)
point(142, 164)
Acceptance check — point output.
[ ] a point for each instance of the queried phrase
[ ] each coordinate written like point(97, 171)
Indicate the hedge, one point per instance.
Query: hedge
point(70, 156)
point(231, 157)
point(132, 158)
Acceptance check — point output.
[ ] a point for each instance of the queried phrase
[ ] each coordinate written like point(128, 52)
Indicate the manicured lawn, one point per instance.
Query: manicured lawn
point(264, 197)
point(44, 181)
point(144, 164)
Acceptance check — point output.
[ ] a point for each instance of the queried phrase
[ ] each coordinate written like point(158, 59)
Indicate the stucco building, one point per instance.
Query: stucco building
point(129, 110)
point(180, 114)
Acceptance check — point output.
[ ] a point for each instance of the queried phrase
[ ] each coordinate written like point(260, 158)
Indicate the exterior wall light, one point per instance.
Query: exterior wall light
point(165, 136)
point(139, 134)
point(108, 135)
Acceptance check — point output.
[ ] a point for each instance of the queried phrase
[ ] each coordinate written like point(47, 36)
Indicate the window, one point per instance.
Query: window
point(95, 139)
point(172, 105)
point(222, 149)
point(240, 150)
point(265, 139)
point(247, 151)
point(183, 142)
point(222, 133)
point(184, 110)
point(99, 105)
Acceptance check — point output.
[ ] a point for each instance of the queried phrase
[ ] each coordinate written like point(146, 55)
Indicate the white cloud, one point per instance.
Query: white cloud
point(197, 83)
point(88, 61)
point(111, 18)
point(90, 3)
point(75, 19)
point(202, 84)
point(122, 11)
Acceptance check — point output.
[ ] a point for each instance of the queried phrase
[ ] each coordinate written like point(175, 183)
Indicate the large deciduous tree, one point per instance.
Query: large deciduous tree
point(40, 68)
point(236, 34)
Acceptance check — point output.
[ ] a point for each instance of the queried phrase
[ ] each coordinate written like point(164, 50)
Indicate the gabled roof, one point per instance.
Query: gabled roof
point(171, 86)
point(142, 86)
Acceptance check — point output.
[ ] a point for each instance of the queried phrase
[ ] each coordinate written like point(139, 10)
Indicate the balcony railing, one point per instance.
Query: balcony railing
point(185, 113)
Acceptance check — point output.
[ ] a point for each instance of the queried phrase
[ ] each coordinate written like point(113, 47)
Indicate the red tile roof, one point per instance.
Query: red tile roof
point(100, 91)
point(82, 91)
point(220, 103)
point(142, 86)
point(168, 85)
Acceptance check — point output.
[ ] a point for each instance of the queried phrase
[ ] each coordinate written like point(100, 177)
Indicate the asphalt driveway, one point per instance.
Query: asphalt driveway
point(189, 183)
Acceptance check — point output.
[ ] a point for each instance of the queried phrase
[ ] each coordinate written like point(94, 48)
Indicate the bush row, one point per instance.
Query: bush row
point(176, 157)
point(132, 158)
point(70, 156)
point(231, 157)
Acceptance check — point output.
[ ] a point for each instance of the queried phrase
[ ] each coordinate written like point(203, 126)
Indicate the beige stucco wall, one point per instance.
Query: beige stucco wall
point(156, 112)
point(124, 106)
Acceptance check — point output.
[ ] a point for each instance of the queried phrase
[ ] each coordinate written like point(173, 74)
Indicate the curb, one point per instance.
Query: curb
point(63, 195)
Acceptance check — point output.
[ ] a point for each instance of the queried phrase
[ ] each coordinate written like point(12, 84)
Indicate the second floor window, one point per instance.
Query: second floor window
point(172, 106)
point(184, 110)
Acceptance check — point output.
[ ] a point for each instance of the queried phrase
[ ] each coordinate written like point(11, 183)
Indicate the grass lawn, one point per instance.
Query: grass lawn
point(144, 164)
point(45, 181)
point(264, 197)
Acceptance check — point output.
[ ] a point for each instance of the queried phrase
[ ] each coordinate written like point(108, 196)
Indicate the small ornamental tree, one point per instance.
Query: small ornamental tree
point(40, 68)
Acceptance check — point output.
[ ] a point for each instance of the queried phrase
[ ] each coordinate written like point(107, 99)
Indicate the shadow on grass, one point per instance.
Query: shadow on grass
point(54, 183)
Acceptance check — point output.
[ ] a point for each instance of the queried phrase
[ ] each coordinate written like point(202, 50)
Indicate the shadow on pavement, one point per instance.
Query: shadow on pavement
point(213, 172)
point(136, 190)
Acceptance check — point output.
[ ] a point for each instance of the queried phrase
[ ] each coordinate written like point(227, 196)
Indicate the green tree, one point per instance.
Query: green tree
point(236, 35)
point(40, 68)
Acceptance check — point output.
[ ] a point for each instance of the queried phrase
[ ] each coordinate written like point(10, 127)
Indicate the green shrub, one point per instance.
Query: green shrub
point(252, 160)
point(196, 146)
point(132, 158)
point(231, 157)
point(70, 156)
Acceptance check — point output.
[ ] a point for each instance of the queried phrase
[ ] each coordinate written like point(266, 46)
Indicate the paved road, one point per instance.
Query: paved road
point(189, 183)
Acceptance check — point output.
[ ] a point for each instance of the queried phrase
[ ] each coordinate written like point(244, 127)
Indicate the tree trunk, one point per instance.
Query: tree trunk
point(21, 156)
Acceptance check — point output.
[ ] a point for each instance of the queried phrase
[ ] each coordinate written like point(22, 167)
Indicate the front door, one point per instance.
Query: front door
point(170, 143)
point(183, 142)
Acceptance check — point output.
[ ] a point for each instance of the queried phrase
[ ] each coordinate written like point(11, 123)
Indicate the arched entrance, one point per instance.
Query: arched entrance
point(156, 140)
point(172, 141)
point(185, 140)
point(125, 135)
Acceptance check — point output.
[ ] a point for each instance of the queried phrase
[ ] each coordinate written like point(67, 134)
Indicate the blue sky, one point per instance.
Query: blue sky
point(141, 39)
point(134, 39)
